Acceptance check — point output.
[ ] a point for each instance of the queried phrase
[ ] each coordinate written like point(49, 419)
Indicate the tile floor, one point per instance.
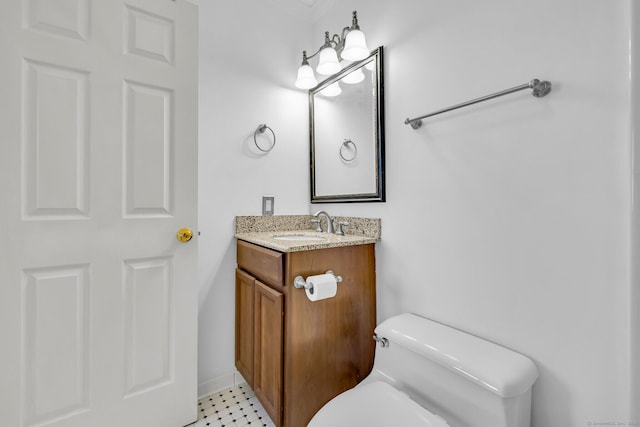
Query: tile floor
point(236, 407)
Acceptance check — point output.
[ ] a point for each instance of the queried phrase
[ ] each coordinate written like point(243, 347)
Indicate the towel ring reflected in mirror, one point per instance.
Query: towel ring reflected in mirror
point(344, 147)
point(261, 129)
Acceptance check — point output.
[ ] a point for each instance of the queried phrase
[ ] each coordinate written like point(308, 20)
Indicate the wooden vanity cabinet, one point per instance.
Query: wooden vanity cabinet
point(297, 354)
point(245, 290)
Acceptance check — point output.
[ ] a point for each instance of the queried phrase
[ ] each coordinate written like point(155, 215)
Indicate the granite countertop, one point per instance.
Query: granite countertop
point(261, 230)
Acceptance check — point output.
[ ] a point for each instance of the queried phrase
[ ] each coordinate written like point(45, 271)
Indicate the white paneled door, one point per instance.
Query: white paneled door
point(98, 300)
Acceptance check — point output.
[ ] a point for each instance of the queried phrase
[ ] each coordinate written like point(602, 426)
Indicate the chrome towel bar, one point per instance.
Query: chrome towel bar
point(539, 89)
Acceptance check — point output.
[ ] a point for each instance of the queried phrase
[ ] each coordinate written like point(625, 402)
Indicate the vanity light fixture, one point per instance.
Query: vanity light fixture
point(351, 45)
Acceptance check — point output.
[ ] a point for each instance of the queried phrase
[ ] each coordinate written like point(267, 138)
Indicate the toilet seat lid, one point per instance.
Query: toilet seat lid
point(375, 404)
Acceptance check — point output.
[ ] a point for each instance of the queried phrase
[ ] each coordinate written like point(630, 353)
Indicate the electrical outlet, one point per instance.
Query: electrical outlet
point(267, 205)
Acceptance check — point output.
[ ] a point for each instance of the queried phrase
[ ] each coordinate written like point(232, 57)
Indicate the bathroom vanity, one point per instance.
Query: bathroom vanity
point(297, 354)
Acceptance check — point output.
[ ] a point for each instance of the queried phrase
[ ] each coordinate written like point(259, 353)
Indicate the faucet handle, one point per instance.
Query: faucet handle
point(340, 231)
point(318, 225)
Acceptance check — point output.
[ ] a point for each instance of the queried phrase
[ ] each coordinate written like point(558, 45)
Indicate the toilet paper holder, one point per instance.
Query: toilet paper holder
point(299, 282)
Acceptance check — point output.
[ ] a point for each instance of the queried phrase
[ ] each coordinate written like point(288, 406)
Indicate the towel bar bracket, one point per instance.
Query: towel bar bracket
point(539, 88)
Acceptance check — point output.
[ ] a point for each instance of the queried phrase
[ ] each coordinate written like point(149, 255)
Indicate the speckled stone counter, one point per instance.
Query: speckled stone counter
point(261, 230)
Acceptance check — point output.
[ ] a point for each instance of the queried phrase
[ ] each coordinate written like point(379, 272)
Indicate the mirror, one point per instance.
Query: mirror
point(347, 134)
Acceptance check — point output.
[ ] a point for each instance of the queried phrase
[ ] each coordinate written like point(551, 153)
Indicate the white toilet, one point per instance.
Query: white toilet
point(429, 374)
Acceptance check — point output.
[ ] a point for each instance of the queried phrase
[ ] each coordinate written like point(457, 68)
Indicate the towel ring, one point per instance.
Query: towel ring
point(261, 129)
point(346, 144)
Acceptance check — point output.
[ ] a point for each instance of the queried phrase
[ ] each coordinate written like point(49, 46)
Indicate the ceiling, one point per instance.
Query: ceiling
point(309, 3)
point(310, 9)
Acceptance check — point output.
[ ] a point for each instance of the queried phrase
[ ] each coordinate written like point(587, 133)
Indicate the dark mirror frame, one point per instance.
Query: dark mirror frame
point(379, 194)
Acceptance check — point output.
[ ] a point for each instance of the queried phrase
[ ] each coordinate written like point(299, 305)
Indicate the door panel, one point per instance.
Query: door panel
point(55, 145)
point(148, 167)
point(148, 298)
point(98, 299)
point(56, 337)
point(149, 35)
point(63, 18)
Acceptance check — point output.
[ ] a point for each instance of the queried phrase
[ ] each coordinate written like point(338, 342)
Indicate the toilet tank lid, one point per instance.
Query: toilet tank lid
point(493, 367)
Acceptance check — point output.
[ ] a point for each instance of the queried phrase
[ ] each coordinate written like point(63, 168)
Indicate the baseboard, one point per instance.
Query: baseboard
point(223, 382)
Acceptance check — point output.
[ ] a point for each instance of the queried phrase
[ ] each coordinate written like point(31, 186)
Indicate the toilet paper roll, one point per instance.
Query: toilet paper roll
point(321, 287)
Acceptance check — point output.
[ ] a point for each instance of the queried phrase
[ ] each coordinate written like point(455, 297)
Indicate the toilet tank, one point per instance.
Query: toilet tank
point(468, 381)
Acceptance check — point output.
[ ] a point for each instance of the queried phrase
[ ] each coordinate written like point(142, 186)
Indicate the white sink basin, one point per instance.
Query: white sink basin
point(297, 237)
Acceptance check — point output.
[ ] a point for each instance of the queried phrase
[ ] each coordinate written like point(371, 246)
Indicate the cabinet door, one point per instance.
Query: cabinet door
point(268, 342)
point(245, 285)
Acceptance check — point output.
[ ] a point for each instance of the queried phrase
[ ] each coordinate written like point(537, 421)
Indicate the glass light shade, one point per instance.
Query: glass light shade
point(333, 89)
point(356, 76)
point(371, 65)
point(306, 79)
point(328, 62)
point(355, 46)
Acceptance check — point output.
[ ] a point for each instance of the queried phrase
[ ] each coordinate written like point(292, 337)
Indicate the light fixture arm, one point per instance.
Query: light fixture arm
point(335, 41)
point(314, 54)
point(341, 40)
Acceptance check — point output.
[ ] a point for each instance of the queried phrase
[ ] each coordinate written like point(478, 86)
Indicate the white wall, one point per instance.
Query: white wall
point(247, 64)
point(634, 300)
point(510, 219)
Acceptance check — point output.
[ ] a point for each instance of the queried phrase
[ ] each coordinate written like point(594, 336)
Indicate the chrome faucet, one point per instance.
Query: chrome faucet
point(330, 228)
